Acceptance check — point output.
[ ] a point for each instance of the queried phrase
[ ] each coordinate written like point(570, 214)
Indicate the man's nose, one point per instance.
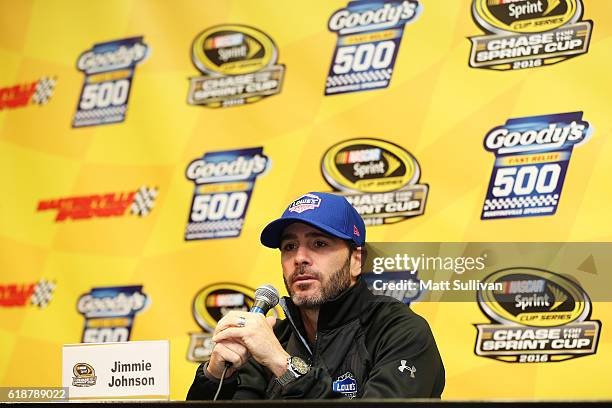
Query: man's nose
point(302, 256)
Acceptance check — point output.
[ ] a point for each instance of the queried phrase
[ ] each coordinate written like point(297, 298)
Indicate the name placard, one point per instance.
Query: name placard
point(134, 370)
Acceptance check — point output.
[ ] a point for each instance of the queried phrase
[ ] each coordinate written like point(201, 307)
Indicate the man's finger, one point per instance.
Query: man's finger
point(271, 320)
point(232, 319)
point(239, 349)
point(228, 355)
point(231, 333)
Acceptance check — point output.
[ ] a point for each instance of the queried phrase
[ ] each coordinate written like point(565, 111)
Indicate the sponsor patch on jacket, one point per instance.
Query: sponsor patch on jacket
point(346, 384)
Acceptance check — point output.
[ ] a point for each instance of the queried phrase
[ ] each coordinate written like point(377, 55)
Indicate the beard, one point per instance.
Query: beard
point(339, 281)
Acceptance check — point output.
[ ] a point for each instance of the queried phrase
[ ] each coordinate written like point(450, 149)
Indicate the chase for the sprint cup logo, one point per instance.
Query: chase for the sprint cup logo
point(109, 312)
point(369, 35)
point(538, 316)
point(532, 155)
point(528, 33)
point(109, 69)
point(239, 66)
point(224, 182)
point(380, 179)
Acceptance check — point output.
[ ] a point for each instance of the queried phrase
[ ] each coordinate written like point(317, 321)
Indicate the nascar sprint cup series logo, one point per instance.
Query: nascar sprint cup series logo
point(532, 155)
point(110, 312)
point(109, 69)
point(369, 35)
point(537, 316)
point(528, 33)
point(239, 67)
point(380, 179)
point(224, 182)
point(209, 306)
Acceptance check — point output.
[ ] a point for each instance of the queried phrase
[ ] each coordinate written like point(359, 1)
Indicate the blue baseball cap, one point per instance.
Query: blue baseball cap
point(330, 213)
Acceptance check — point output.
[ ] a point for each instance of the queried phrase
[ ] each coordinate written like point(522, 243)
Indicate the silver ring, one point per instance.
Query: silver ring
point(241, 321)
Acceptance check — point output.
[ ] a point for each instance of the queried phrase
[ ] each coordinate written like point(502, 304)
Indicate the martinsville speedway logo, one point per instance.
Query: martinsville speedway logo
point(109, 312)
point(537, 316)
point(109, 69)
point(239, 66)
point(532, 158)
point(528, 33)
point(369, 35)
point(380, 179)
point(224, 182)
point(140, 202)
point(210, 304)
point(19, 295)
point(38, 92)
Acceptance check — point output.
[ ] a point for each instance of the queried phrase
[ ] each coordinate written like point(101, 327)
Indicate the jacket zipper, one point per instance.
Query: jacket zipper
point(304, 342)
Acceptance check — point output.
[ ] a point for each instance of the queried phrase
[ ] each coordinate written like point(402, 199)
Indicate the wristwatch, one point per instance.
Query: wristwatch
point(296, 367)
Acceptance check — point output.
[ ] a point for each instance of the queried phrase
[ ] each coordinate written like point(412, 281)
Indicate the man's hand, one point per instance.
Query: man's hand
point(227, 351)
point(257, 337)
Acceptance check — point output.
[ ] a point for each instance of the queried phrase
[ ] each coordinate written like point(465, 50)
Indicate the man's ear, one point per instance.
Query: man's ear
point(356, 262)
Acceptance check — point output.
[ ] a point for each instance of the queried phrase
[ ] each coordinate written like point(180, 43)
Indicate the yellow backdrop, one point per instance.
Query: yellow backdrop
point(436, 107)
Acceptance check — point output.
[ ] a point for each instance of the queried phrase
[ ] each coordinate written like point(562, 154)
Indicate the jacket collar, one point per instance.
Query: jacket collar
point(336, 312)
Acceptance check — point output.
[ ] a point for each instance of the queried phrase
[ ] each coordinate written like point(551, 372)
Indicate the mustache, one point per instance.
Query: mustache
point(303, 270)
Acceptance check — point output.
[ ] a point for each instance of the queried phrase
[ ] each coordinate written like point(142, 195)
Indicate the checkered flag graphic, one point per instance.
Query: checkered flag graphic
point(43, 292)
point(143, 201)
point(44, 90)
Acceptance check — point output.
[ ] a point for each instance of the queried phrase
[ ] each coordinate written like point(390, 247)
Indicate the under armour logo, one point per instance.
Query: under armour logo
point(405, 367)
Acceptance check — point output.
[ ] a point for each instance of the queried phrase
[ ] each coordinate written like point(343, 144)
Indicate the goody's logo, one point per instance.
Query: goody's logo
point(369, 35)
point(239, 66)
point(109, 69)
point(212, 303)
point(537, 316)
point(346, 384)
point(304, 203)
point(224, 182)
point(380, 179)
point(528, 33)
point(109, 312)
point(532, 158)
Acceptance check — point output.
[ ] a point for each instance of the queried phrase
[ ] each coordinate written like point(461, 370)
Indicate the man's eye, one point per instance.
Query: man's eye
point(288, 246)
point(320, 244)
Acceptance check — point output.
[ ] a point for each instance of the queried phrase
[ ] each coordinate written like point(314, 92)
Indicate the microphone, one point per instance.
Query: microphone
point(266, 297)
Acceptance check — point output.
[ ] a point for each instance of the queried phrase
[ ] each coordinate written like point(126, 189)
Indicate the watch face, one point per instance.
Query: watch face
point(299, 365)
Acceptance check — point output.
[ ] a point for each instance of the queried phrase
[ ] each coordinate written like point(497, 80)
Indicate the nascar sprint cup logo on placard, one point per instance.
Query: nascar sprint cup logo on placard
point(239, 67)
point(531, 159)
point(528, 33)
point(109, 68)
point(224, 182)
point(380, 179)
point(369, 36)
point(537, 316)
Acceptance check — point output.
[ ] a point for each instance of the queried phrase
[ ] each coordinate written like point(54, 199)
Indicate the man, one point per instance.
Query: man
point(339, 340)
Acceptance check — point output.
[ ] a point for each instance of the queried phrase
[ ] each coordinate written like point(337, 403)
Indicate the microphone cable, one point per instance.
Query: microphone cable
point(227, 365)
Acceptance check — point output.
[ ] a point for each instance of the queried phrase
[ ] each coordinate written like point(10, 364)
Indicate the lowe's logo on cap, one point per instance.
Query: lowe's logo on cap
point(305, 203)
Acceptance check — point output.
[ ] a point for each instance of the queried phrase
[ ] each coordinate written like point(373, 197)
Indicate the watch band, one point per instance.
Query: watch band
point(292, 373)
point(288, 375)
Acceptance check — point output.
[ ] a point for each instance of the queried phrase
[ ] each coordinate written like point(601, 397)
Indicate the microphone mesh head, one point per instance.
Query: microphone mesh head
point(267, 293)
